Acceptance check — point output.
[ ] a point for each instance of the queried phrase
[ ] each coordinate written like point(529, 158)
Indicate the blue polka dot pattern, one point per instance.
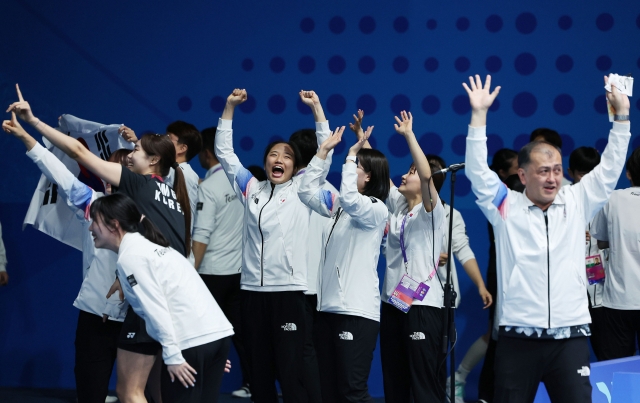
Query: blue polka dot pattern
point(525, 64)
point(367, 25)
point(525, 104)
point(462, 24)
point(520, 141)
point(638, 104)
point(494, 143)
point(459, 144)
point(431, 64)
point(461, 104)
point(249, 105)
point(636, 143)
point(526, 23)
point(277, 64)
point(302, 108)
point(495, 105)
point(217, 104)
point(367, 103)
point(401, 64)
point(374, 143)
point(276, 138)
point(493, 64)
point(564, 63)
point(600, 104)
point(565, 22)
point(398, 146)
point(306, 64)
point(401, 25)
point(638, 21)
point(604, 22)
point(433, 24)
point(184, 103)
point(336, 104)
point(277, 104)
point(563, 104)
point(567, 145)
point(603, 63)
point(337, 25)
point(334, 178)
point(307, 25)
point(337, 64)
point(340, 147)
point(367, 64)
point(247, 64)
point(463, 185)
point(493, 23)
point(397, 180)
point(430, 104)
point(638, 62)
point(431, 143)
point(246, 143)
point(400, 103)
point(462, 64)
point(601, 144)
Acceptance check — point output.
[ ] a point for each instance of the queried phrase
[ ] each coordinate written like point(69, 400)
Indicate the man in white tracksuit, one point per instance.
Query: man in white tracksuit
point(544, 315)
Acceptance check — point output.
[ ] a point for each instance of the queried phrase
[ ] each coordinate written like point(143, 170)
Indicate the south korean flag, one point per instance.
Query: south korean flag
point(48, 211)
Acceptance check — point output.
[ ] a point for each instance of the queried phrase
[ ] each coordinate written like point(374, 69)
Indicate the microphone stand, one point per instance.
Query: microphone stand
point(449, 334)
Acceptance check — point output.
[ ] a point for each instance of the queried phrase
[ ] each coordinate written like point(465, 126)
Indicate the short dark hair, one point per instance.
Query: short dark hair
point(524, 156)
point(502, 160)
point(305, 140)
point(438, 180)
point(549, 135)
point(209, 139)
point(120, 156)
point(513, 182)
point(584, 159)
point(188, 135)
point(376, 165)
point(296, 153)
point(257, 172)
point(633, 166)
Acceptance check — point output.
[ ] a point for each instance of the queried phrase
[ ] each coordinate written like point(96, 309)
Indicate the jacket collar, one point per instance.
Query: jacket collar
point(560, 199)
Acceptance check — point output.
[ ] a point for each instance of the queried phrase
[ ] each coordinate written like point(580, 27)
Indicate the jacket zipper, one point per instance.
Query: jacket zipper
point(262, 237)
point(546, 223)
point(325, 253)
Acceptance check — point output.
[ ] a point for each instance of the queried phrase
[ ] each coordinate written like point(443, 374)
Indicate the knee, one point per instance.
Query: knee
point(128, 394)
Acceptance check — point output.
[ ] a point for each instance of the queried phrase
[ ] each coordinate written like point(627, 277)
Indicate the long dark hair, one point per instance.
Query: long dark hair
point(123, 209)
point(162, 147)
point(375, 164)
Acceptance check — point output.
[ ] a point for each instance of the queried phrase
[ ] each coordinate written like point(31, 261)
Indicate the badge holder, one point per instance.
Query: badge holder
point(595, 269)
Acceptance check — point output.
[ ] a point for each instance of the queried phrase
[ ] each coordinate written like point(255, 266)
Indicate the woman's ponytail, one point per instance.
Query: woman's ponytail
point(151, 232)
point(180, 187)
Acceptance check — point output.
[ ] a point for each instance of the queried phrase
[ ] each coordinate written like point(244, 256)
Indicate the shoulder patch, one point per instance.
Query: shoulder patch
point(373, 199)
point(199, 206)
point(132, 280)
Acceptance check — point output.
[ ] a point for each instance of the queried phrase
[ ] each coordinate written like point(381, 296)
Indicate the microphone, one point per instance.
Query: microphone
point(452, 168)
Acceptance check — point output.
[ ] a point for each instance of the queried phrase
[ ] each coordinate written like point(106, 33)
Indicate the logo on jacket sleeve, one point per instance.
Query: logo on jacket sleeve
point(345, 336)
point(132, 280)
point(199, 206)
point(417, 336)
point(289, 327)
point(584, 371)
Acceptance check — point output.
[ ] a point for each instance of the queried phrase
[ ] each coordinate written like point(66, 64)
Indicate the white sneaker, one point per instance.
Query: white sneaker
point(110, 399)
point(243, 392)
point(459, 391)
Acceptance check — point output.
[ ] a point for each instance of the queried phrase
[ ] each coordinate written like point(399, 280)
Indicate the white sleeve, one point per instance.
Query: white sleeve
point(362, 209)
point(148, 300)
point(77, 194)
point(393, 199)
point(3, 253)
point(240, 178)
point(460, 245)
point(323, 201)
point(595, 187)
point(492, 194)
point(599, 226)
point(114, 308)
point(205, 217)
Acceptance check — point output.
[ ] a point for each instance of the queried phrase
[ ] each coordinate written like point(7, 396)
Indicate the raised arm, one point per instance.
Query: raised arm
point(240, 177)
point(404, 128)
point(310, 192)
point(108, 171)
point(487, 186)
point(311, 99)
point(595, 187)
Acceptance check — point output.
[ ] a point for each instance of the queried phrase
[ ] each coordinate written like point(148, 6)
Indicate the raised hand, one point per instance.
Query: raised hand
point(127, 134)
point(23, 109)
point(237, 97)
point(330, 143)
point(356, 126)
point(309, 98)
point(353, 151)
point(404, 127)
point(619, 101)
point(13, 126)
point(480, 97)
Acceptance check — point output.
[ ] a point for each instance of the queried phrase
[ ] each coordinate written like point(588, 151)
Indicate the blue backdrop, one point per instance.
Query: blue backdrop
point(147, 63)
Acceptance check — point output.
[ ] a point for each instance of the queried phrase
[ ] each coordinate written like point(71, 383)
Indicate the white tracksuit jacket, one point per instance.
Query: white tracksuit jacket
point(542, 280)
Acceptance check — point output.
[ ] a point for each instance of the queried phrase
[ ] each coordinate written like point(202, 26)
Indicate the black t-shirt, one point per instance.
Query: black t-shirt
point(157, 201)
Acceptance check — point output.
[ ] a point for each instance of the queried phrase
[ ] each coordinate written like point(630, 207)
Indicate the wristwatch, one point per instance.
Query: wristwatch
point(351, 158)
point(620, 117)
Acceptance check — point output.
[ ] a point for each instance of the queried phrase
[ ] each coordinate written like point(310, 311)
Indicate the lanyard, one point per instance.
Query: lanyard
point(403, 249)
point(216, 170)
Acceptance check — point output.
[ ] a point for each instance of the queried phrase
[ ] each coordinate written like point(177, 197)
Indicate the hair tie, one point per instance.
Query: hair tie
point(141, 225)
point(175, 165)
point(141, 217)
